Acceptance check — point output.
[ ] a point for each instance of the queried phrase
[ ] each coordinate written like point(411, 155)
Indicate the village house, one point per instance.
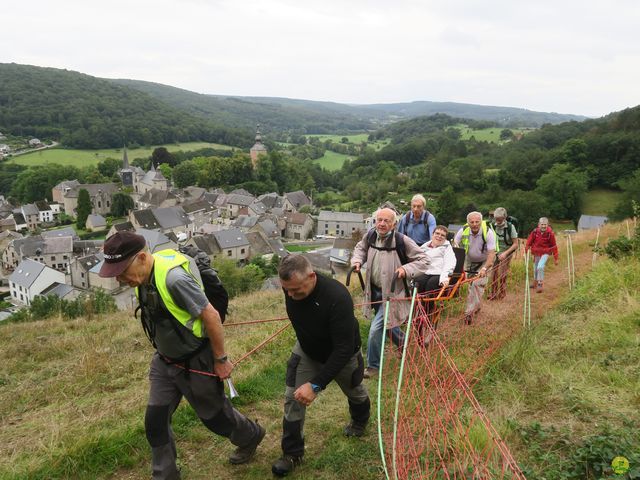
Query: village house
point(340, 224)
point(157, 241)
point(57, 192)
point(200, 212)
point(207, 243)
point(294, 201)
point(120, 227)
point(299, 226)
point(80, 267)
point(96, 223)
point(45, 212)
point(30, 214)
point(109, 284)
point(155, 198)
point(100, 194)
point(236, 201)
point(152, 180)
point(30, 279)
point(233, 245)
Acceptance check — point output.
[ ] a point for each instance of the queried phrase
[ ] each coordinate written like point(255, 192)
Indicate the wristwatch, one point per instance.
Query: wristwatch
point(222, 359)
point(316, 388)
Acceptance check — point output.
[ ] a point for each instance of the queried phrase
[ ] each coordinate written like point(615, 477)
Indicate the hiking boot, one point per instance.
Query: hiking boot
point(355, 429)
point(468, 318)
point(285, 465)
point(370, 372)
point(246, 453)
point(533, 284)
point(539, 287)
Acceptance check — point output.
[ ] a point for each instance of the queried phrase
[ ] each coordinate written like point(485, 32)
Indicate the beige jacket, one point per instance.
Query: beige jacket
point(390, 262)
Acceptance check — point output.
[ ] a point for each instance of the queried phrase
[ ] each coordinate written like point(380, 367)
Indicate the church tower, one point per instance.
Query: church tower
point(126, 174)
point(258, 148)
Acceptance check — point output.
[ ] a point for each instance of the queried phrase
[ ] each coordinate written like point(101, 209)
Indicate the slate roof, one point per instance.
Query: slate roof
point(29, 246)
point(92, 188)
point(153, 238)
point(259, 243)
point(240, 191)
point(155, 196)
point(270, 228)
point(298, 198)
point(277, 247)
point(245, 221)
point(296, 218)
point(84, 247)
point(207, 243)
point(146, 219)
point(97, 220)
point(58, 245)
point(90, 261)
point(123, 226)
point(238, 199)
point(171, 217)
point(198, 206)
point(19, 219)
point(42, 205)
point(60, 290)
point(231, 238)
point(30, 209)
point(60, 232)
point(27, 272)
point(258, 208)
point(328, 216)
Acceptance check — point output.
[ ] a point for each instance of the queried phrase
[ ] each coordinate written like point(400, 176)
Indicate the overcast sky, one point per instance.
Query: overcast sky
point(564, 56)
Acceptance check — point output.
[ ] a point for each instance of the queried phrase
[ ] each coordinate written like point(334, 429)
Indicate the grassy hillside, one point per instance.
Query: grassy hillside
point(564, 394)
point(82, 158)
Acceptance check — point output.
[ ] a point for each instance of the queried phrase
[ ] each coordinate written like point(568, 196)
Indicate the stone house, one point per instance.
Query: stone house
point(340, 224)
point(299, 226)
point(95, 223)
point(100, 194)
point(233, 245)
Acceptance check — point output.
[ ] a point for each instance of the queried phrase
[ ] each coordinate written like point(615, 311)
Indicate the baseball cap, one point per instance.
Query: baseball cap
point(119, 249)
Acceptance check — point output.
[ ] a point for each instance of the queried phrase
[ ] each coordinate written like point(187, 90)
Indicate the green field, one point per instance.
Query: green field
point(600, 201)
point(331, 160)
point(487, 134)
point(356, 139)
point(82, 158)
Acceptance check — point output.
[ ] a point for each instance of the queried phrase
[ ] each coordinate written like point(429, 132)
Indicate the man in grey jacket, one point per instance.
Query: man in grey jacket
point(386, 255)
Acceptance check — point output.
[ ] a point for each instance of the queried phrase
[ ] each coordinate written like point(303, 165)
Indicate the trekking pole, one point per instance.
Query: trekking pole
point(595, 250)
point(569, 260)
point(400, 378)
point(573, 266)
point(359, 272)
point(526, 315)
point(379, 407)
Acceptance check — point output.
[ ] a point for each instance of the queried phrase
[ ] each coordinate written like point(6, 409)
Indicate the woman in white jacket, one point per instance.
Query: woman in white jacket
point(442, 261)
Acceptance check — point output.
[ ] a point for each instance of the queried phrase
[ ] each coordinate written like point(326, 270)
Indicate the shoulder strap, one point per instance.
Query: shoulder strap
point(401, 249)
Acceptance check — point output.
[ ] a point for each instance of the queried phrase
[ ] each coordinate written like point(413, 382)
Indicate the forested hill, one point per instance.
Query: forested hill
point(309, 117)
point(274, 114)
point(87, 112)
point(507, 116)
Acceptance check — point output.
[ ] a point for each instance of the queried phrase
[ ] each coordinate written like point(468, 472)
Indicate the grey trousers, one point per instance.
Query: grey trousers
point(300, 370)
point(168, 384)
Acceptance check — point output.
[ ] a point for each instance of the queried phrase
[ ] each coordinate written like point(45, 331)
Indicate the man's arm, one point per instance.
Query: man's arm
point(359, 253)
point(418, 260)
point(212, 323)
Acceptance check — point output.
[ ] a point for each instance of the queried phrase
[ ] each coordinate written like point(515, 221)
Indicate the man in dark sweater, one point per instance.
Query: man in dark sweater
point(327, 348)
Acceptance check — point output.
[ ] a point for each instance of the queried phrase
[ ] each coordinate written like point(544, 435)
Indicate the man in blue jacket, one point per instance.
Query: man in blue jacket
point(418, 224)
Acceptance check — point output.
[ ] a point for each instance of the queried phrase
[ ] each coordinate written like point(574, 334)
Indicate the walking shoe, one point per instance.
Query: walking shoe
point(370, 372)
point(539, 288)
point(468, 318)
point(285, 465)
point(246, 453)
point(355, 429)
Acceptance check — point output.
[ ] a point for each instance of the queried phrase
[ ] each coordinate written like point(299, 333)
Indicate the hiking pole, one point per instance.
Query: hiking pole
point(573, 266)
point(233, 393)
point(348, 282)
point(526, 315)
point(379, 406)
point(399, 389)
point(595, 250)
point(569, 260)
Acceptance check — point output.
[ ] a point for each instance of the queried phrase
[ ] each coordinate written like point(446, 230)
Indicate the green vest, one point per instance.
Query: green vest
point(464, 240)
point(164, 261)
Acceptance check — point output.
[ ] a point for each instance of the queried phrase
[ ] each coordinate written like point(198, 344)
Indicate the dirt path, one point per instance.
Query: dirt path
point(473, 345)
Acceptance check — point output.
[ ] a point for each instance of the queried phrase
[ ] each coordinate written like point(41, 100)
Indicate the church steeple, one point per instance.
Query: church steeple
point(125, 159)
point(258, 148)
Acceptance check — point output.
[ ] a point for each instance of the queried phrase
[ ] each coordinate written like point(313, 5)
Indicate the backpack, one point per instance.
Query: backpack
point(370, 242)
point(508, 240)
point(424, 220)
point(213, 289)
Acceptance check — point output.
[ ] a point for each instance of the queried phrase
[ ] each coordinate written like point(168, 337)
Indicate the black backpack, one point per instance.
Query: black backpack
point(213, 288)
point(507, 230)
point(370, 242)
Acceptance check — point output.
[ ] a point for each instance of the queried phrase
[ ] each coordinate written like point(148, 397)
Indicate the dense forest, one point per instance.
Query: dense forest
point(87, 112)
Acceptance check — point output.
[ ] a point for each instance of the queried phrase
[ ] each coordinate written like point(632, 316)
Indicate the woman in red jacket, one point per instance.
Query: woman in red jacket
point(542, 243)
